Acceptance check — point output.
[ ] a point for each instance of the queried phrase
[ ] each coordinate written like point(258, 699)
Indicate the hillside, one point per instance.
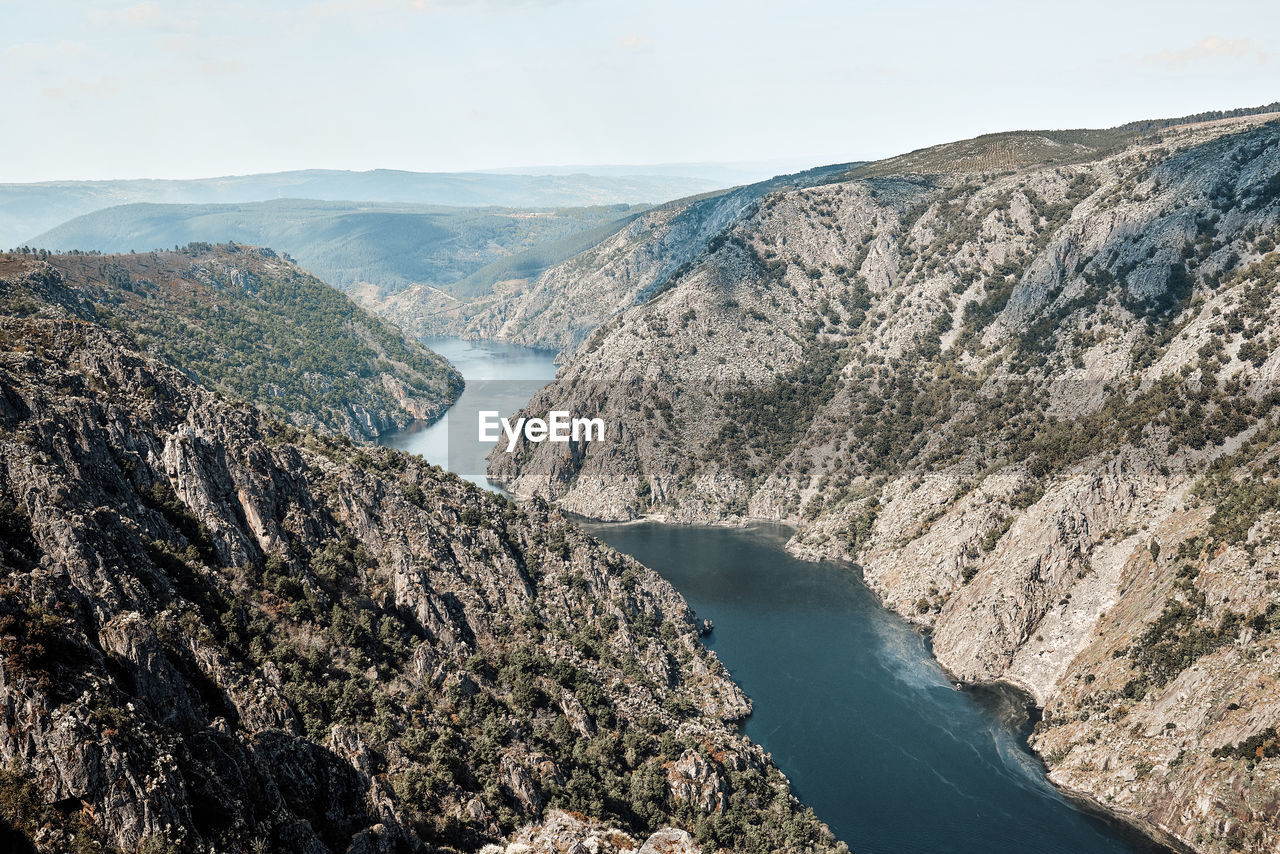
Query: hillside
point(373, 248)
point(1036, 401)
point(1022, 149)
point(30, 209)
point(619, 268)
point(246, 323)
point(220, 633)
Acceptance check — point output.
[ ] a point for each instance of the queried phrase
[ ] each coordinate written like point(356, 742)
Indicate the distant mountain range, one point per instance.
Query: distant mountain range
point(27, 210)
point(385, 246)
point(723, 174)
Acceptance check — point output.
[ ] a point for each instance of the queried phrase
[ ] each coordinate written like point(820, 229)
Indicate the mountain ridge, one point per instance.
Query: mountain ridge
point(567, 301)
point(33, 208)
point(1035, 404)
point(355, 246)
point(534, 313)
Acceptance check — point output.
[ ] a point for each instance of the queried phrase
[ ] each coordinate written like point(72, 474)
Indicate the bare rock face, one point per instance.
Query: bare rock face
point(570, 833)
point(693, 781)
point(520, 784)
point(669, 841)
point(220, 633)
point(1037, 405)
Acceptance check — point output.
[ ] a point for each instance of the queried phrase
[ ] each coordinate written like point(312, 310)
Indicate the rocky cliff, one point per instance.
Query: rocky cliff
point(1029, 383)
point(248, 323)
point(563, 305)
point(219, 633)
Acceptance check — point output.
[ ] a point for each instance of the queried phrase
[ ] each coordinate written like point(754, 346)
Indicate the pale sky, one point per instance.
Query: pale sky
point(177, 88)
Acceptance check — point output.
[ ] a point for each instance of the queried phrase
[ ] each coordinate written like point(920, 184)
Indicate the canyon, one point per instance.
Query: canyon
point(221, 632)
point(1027, 383)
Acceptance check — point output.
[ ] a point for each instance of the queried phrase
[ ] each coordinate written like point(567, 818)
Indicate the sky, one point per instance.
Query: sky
point(170, 88)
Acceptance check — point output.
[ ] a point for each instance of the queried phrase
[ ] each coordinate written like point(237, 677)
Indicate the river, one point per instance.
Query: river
point(499, 376)
point(847, 696)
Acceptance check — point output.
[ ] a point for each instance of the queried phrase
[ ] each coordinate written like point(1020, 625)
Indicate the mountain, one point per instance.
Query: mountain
point(1029, 383)
point(218, 632)
point(622, 266)
point(29, 209)
point(247, 323)
point(567, 301)
point(367, 248)
point(723, 174)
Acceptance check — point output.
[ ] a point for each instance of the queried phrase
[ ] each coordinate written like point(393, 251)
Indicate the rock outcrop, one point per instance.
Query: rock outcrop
point(571, 833)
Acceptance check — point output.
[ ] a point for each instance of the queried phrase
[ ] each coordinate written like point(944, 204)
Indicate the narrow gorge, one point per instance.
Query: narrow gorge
point(220, 632)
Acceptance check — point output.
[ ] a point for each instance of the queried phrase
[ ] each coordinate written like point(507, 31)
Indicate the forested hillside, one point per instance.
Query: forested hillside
point(370, 248)
point(247, 323)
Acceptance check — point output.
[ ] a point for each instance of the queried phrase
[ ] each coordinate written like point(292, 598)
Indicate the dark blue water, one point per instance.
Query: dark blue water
point(856, 711)
point(847, 697)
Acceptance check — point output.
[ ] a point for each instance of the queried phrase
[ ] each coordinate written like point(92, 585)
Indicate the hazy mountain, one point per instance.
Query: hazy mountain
point(348, 244)
point(30, 209)
point(723, 174)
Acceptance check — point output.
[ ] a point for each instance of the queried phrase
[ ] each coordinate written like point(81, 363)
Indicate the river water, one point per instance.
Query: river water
point(847, 697)
point(499, 377)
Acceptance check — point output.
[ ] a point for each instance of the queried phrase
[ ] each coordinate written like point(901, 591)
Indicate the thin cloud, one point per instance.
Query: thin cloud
point(332, 8)
point(633, 41)
point(150, 17)
point(143, 13)
point(1207, 49)
point(41, 50)
point(215, 69)
point(138, 15)
point(36, 55)
point(77, 87)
